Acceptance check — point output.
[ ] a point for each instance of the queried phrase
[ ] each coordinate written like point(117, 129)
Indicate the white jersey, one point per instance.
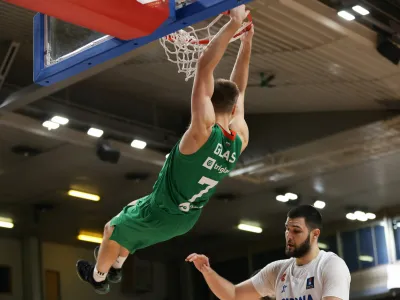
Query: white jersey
point(326, 275)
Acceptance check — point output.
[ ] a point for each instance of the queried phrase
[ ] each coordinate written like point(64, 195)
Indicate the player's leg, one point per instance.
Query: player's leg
point(115, 273)
point(108, 254)
point(97, 275)
point(137, 226)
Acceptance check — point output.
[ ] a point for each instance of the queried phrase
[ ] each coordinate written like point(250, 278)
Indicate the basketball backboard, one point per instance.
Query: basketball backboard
point(63, 49)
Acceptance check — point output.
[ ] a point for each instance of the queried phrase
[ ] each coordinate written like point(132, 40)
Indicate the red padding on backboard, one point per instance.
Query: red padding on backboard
point(124, 19)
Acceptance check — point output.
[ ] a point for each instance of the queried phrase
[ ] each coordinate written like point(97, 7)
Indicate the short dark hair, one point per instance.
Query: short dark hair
point(310, 214)
point(225, 95)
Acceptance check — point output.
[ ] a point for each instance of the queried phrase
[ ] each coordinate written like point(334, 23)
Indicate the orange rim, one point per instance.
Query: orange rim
point(207, 41)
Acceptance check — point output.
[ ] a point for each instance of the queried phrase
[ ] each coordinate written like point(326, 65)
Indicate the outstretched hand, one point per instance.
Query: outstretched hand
point(248, 35)
point(200, 261)
point(239, 13)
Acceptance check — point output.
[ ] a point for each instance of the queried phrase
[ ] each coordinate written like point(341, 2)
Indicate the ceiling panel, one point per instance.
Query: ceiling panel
point(320, 63)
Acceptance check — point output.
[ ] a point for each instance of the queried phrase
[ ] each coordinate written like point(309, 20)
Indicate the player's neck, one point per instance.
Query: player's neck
point(223, 121)
point(301, 261)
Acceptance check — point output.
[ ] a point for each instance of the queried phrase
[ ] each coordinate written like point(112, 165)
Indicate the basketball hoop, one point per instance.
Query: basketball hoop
point(184, 47)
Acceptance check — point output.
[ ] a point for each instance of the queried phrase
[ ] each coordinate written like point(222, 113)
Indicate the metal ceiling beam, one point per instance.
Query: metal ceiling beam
point(78, 138)
point(387, 8)
point(8, 61)
point(359, 145)
point(35, 92)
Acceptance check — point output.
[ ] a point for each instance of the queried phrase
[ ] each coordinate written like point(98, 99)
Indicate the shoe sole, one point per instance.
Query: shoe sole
point(95, 257)
point(83, 280)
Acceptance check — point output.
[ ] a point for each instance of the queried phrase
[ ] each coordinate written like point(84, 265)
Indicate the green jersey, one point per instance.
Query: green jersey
point(186, 182)
point(184, 186)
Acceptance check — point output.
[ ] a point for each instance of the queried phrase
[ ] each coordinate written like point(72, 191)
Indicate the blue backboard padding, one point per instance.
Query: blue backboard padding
point(38, 43)
point(188, 15)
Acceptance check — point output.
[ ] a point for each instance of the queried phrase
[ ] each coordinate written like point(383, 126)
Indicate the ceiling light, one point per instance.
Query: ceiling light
point(83, 195)
point(250, 228)
point(370, 216)
point(361, 216)
point(323, 246)
point(319, 204)
point(60, 120)
point(90, 237)
point(138, 144)
point(282, 198)
point(361, 10)
point(359, 213)
point(345, 15)
point(50, 125)
point(366, 258)
point(95, 132)
point(6, 223)
point(291, 196)
point(351, 216)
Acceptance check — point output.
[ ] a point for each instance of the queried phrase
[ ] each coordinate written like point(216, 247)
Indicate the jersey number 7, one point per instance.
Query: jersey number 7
point(203, 181)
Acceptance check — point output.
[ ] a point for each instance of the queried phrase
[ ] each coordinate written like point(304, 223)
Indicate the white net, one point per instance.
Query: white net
point(185, 46)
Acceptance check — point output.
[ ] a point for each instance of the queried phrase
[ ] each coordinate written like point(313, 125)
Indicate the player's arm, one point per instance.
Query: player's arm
point(225, 290)
point(336, 280)
point(240, 75)
point(203, 116)
point(221, 287)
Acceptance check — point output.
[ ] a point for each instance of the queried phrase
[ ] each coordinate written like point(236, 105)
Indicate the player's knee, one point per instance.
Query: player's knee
point(108, 230)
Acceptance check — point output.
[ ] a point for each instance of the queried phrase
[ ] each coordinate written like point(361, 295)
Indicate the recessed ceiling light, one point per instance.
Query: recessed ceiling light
point(6, 223)
point(291, 196)
point(60, 120)
point(351, 216)
point(361, 10)
point(345, 15)
point(95, 132)
point(250, 228)
point(138, 144)
point(361, 216)
point(282, 198)
point(91, 237)
point(366, 258)
point(83, 195)
point(319, 204)
point(50, 125)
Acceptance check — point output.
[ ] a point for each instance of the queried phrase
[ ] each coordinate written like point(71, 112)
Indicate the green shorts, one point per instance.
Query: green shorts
point(145, 224)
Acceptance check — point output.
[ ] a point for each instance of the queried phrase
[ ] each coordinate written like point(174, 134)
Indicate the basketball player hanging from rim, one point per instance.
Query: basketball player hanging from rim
point(206, 153)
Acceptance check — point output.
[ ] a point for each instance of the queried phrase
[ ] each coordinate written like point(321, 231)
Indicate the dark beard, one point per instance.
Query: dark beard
point(300, 250)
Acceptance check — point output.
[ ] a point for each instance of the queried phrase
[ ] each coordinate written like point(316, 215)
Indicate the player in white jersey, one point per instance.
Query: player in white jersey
point(262, 298)
point(309, 273)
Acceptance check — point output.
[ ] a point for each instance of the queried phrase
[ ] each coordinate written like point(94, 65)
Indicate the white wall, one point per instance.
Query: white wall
point(10, 255)
point(63, 259)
